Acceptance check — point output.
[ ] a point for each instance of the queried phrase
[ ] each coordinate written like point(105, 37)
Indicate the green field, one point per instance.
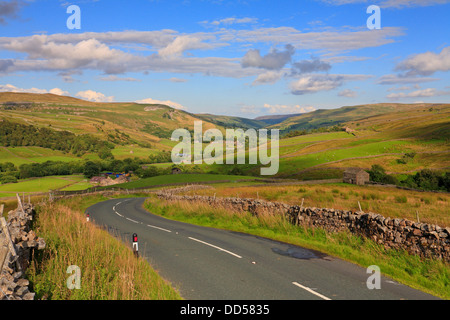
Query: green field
point(37, 185)
point(180, 178)
point(24, 155)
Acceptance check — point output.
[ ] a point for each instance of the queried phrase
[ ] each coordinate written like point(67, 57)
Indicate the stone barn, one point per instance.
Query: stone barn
point(176, 170)
point(356, 176)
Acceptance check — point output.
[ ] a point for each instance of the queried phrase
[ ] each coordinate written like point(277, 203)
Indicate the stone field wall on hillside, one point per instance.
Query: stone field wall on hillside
point(426, 240)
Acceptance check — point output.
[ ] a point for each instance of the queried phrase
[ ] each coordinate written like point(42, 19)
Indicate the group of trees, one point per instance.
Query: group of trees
point(425, 179)
point(8, 172)
point(15, 134)
point(303, 132)
point(11, 173)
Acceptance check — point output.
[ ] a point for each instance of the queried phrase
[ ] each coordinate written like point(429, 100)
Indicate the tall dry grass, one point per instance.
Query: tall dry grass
point(429, 275)
point(428, 207)
point(109, 270)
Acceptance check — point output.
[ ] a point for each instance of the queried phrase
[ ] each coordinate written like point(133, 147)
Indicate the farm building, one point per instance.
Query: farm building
point(356, 176)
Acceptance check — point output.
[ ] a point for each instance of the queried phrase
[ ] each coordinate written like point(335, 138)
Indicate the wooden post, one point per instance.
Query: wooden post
point(417, 215)
point(360, 210)
point(4, 226)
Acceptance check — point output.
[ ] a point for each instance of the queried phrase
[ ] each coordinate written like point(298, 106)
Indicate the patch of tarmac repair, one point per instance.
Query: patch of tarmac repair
point(299, 253)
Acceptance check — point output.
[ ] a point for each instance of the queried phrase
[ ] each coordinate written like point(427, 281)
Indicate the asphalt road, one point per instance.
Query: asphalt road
point(211, 264)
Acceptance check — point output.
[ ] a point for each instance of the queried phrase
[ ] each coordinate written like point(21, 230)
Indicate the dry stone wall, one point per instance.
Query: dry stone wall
point(17, 241)
point(426, 240)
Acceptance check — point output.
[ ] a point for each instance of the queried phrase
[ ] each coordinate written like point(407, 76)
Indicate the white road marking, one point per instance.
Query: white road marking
point(149, 225)
point(219, 248)
point(132, 220)
point(118, 214)
point(311, 291)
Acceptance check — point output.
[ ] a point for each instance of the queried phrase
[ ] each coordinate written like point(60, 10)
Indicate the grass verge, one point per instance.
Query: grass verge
point(109, 270)
point(430, 276)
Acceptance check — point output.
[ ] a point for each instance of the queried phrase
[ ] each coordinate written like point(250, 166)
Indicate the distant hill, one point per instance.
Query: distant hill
point(121, 123)
point(19, 97)
point(231, 122)
point(274, 119)
point(330, 117)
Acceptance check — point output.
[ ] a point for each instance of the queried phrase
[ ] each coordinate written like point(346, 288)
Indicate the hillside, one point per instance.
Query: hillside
point(133, 128)
point(231, 122)
point(274, 119)
point(331, 117)
point(381, 134)
point(420, 131)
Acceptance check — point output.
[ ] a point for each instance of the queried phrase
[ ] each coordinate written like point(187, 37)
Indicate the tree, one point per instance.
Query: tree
point(105, 153)
point(377, 173)
point(8, 179)
point(91, 169)
point(151, 171)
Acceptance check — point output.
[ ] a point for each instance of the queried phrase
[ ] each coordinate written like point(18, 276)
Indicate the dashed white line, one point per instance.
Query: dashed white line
point(132, 220)
point(310, 290)
point(155, 227)
point(149, 225)
point(216, 247)
point(118, 214)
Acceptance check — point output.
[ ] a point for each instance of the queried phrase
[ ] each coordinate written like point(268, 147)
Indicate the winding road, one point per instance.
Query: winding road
point(211, 264)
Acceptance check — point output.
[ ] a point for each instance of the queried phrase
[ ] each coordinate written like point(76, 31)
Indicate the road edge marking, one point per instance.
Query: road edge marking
point(216, 247)
point(310, 290)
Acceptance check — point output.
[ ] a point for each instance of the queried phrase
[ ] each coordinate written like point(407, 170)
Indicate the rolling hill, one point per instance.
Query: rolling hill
point(231, 122)
point(346, 114)
point(382, 133)
point(129, 126)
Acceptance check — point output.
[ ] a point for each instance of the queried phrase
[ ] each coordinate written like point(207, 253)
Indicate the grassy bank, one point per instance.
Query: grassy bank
point(180, 178)
point(109, 270)
point(427, 275)
point(430, 207)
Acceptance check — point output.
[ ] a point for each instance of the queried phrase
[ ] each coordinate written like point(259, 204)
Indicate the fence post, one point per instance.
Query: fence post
point(360, 210)
point(299, 211)
point(12, 249)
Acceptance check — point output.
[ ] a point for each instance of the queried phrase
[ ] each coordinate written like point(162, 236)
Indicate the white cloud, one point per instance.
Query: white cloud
point(390, 79)
point(285, 109)
point(411, 3)
point(181, 44)
point(427, 63)
point(178, 80)
point(318, 82)
point(169, 103)
point(267, 77)
point(390, 3)
point(232, 20)
point(94, 96)
point(59, 92)
point(423, 93)
point(10, 10)
point(348, 93)
point(109, 52)
point(12, 88)
point(116, 78)
point(308, 66)
point(274, 60)
point(331, 39)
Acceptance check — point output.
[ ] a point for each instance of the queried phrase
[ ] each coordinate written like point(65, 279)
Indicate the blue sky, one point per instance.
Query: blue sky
point(244, 58)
